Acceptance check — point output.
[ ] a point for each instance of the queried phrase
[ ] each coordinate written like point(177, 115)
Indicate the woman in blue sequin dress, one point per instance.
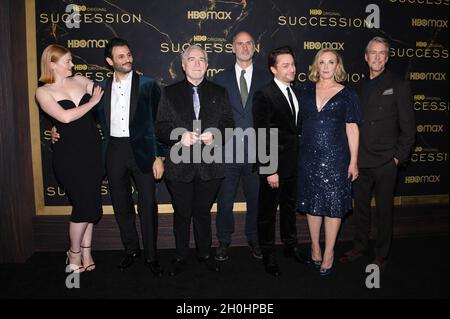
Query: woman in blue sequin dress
point(328, 152)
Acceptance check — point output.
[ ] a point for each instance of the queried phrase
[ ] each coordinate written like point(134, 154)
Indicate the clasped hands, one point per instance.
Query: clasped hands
point(190, 138)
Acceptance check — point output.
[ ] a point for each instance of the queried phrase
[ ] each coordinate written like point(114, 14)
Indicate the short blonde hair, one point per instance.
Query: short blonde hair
point(52, 53)
point(340, 75)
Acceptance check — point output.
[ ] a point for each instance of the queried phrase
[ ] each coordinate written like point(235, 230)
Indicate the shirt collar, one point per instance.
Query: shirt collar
point(239, 69)
point(281, 85)
point(126, 80)
point(190, 85)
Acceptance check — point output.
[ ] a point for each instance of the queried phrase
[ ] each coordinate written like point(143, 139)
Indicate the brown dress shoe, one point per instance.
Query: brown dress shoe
point(352, 255)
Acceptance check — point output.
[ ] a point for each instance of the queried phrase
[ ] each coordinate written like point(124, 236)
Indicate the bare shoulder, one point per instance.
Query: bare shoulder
point(44, 95)
point(43, 91)
point(81, 79)
point(83, 82)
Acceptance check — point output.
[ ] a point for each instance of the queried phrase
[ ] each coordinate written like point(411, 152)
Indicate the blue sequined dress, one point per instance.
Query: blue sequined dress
point(323, 186)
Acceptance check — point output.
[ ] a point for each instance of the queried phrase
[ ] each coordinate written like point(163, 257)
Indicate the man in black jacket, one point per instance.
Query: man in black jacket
point(276, 109)
point(192, 117)
point(386, 138)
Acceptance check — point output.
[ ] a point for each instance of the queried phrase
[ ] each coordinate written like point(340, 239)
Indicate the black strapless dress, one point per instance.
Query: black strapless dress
point(77, 162)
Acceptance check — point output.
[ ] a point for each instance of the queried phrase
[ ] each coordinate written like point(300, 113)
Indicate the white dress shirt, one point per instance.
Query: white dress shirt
point(120, 106)
point(283, 87)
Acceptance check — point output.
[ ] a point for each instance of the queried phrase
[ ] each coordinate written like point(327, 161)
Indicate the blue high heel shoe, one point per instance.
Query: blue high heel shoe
point(326, 271)
point(316, 263)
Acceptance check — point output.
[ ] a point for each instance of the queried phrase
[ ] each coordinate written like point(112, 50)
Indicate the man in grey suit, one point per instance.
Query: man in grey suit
point(386, 138)
point(241, 81)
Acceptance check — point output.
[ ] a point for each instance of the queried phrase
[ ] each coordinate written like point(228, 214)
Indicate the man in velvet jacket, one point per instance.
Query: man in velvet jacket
point(126, 116)
point(386, 139)
point(198, 111)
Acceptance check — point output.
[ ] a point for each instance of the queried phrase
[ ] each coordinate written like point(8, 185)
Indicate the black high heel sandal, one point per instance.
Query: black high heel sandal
point(92, 266)
point(73, 270)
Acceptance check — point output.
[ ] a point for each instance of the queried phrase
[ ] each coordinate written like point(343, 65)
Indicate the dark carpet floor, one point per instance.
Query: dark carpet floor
point(418, 268)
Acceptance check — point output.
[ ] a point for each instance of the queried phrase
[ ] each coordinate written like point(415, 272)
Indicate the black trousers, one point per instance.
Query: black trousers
point(121, 168)
point(269, 198)
point(379, 181)
point(193, 200)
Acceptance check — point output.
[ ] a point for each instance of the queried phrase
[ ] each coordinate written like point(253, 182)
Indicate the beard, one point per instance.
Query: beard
point(124, 68)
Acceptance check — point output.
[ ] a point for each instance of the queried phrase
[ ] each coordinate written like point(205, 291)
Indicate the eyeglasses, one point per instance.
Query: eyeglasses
point(382, 53)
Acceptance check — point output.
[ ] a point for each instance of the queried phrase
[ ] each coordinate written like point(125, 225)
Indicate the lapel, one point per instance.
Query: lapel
point(134, 95)
point(205, 102)
point(253, 84)
point(233, 89)
point(108, 101)
point(375, 95)
point(281, 102)
point(299, 113)
point(185, 105)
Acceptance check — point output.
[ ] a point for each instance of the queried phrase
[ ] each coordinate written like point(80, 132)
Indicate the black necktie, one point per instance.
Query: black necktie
point(291, 102)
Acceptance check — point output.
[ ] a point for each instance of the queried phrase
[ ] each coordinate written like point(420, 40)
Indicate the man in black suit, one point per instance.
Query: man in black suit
point(386, 138)
point(192, 118)
point(276, 109)
point(241, 81)
point(126, 115)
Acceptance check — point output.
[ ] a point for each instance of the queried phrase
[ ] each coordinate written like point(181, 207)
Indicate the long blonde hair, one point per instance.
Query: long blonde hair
point(340, 75)
point(52, 53)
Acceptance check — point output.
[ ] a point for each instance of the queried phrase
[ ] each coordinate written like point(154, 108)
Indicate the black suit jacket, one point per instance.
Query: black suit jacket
point(271, 110)
point(145, 94)
point(389, 127)
point(176, 111)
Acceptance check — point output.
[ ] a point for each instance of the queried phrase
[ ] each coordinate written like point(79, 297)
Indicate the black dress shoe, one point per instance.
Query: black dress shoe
point(209, 263)
point(273, 270)
point(294, 252)
point(128, 260)
point(271, 265)
point(155, 267)
point(222, 252)
point(255, 249)
point(176, 266)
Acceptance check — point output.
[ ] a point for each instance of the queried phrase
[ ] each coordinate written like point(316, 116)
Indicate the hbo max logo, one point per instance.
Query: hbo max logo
point(209, 15)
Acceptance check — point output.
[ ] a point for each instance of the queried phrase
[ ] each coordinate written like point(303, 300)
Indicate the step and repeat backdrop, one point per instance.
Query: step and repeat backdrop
point(158, 31)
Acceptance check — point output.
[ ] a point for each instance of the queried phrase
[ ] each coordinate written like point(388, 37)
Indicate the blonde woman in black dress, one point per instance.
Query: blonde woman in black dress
point(77, 159)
